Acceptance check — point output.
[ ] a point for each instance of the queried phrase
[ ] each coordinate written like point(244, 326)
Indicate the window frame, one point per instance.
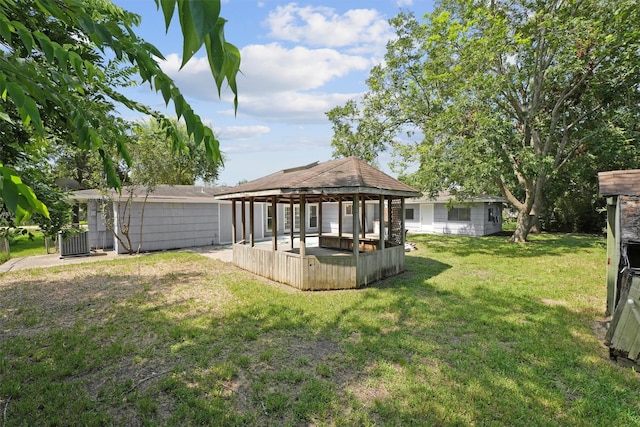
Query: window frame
point(457, 217)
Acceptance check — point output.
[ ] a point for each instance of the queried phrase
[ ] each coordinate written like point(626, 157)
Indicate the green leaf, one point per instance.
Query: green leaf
point(168, 7)
point(191, 43)
point(205, 15)
point(32, 110)
point(63, 56)
point(16, 94)
point(25, 36)
point(5, 28)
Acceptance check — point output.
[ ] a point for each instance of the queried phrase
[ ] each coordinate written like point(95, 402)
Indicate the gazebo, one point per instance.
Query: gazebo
point(341, 259)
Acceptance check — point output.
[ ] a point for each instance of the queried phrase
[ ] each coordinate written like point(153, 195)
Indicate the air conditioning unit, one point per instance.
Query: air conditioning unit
point(75, 245)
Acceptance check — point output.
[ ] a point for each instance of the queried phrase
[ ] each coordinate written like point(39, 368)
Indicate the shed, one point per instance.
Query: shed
point(476, 216)
point(622, 190)
point(311, 198)
point(169, 217)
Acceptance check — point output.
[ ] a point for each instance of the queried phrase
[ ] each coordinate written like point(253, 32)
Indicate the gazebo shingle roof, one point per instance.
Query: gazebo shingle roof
point(334, 177)
point(619, 183)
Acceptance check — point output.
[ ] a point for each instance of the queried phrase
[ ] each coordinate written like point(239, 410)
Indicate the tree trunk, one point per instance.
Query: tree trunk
point(522, 227)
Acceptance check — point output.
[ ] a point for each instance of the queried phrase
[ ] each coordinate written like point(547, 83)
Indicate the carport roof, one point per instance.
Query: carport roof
point(345, 176)
point(618, 183)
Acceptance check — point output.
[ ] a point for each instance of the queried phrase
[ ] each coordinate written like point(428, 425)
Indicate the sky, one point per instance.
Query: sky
point(298, 61)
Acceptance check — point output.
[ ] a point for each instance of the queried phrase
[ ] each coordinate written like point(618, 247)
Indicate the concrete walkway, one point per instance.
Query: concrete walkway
point(223, 253)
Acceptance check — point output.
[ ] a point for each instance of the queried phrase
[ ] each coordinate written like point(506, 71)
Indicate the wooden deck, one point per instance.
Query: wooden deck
point(321, 268)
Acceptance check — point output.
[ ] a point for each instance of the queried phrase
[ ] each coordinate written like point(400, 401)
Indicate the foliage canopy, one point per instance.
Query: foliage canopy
point(73, 85)
point(501, 96)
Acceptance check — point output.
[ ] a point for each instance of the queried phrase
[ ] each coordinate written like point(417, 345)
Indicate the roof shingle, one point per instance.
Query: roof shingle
point(621, 182)
point(341, 176)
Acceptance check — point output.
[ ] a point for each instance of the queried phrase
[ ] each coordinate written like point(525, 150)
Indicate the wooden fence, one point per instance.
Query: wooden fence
point(320, 272)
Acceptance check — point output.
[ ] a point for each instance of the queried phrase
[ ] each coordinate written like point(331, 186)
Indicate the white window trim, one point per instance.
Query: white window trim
point(346, 209)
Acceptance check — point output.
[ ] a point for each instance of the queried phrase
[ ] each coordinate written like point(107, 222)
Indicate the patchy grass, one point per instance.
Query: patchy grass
point(23, 246)
point(476, 332)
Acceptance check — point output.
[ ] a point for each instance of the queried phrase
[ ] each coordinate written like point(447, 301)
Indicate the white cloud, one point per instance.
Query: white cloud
point(239, 133)
point(274, 68)
point(360, 29)
point(404, 3)
point(293, 107)
point(276, 82)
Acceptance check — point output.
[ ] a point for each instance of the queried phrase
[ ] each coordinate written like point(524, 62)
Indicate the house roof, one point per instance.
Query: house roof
point(161, 193)
point(622, 182)
point(345, 176)
point(445, 197)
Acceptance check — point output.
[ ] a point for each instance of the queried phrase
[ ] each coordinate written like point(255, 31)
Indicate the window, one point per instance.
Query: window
point(459, 214)
point(296, 217)
point(269, 218)
point(492, 216)
point(348, 209)
point(408, 213)
point(313, 216)
point(287, 218)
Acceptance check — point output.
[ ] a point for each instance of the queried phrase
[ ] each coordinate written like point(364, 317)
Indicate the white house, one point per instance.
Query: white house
point(183, 216)
point(478, 216)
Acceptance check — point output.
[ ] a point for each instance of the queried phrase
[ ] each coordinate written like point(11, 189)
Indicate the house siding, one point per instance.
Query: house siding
point(100, 237)
point(478, 225)
point(170, 225)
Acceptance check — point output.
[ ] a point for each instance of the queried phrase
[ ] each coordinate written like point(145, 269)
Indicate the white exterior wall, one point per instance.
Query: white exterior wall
point(260, 212)
point(479, 224)
point(100, 237)
point(330, 217)
point(169, 225)
point(413, 225)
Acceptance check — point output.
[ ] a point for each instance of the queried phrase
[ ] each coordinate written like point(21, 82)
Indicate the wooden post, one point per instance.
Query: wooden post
point(303, 226)
point(274, 224)
point(251, 222)
point(292, 221)
point(340, 216)
point(613, 252)
point(356, 228)
point(364, 218)
point(320, 218)
point(381, 229)
point(402, 229)
point(244, 223)
point(233, 222)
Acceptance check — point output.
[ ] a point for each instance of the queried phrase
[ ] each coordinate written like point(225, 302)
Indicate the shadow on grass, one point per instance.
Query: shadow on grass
point(214, 345)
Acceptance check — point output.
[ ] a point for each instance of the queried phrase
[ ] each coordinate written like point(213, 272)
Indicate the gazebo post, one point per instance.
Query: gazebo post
point(274, 224)
point(381, 244)
point(303, 226)
point(356, 227)
point(251, 222)
point(233, 222)
point(319, 219)
point(402, 229)
point(244, 223)
point(364, 219)
point(340, 218)
point(291, 220)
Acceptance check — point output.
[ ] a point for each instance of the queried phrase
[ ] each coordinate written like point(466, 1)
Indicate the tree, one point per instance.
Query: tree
point(154, 160)
point(502, 96)
point(47, 82)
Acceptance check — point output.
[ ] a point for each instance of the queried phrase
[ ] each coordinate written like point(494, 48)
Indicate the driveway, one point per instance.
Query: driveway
point(222, 253)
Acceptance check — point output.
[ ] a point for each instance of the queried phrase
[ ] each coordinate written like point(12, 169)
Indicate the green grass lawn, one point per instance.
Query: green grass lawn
point(23, 246)
point(477, 331)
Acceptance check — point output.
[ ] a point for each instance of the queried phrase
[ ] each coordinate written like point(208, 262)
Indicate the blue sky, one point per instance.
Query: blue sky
point(299, 60)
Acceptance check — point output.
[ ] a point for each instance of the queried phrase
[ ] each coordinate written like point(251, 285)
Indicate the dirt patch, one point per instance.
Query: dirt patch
point(34, 303)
